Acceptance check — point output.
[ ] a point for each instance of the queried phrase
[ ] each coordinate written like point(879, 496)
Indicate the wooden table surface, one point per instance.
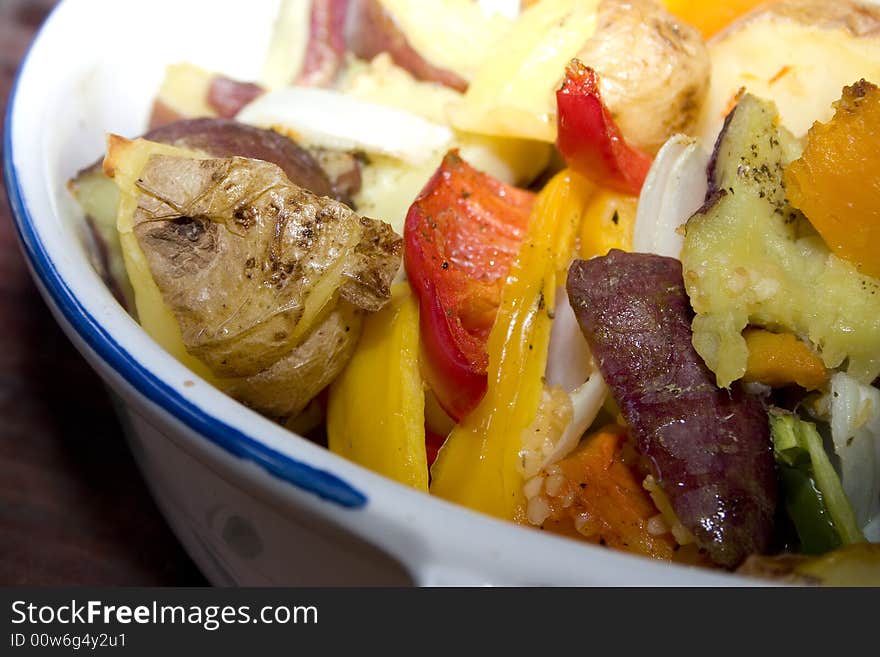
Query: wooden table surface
point(74, 509)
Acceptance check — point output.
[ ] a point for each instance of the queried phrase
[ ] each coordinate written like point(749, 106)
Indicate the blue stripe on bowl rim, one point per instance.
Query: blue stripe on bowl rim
point(323, 484)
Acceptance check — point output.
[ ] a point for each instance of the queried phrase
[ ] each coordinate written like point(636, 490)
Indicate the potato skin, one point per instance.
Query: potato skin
point(255, 283)
point(98, 196)
point(250, 263)
point(375, 31)
point(229, 138)
point(279, 391)
point(653, 69)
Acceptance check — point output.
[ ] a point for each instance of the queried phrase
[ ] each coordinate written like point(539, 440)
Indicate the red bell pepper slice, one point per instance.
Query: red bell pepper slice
point(589, 139)
point(460, 238)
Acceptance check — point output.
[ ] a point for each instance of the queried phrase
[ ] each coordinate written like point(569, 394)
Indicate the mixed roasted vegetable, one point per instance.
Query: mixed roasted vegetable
point(606, 268)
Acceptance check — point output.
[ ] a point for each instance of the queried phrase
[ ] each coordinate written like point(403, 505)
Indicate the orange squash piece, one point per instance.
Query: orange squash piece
point(836, 182)
point(781, 359)
point(595, 495)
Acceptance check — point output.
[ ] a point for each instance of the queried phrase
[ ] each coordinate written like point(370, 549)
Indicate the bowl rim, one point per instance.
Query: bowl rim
point(281, 467)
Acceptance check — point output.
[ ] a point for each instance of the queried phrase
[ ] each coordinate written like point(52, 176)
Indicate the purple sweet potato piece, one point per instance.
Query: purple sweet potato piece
point(227, 138)
point(227, 96)
point(709, 448)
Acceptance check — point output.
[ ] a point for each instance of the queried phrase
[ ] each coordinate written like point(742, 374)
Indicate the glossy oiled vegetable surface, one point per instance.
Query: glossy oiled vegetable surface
point(376, 408)
point(461, 236)
point(709, 448)
point(480, 465)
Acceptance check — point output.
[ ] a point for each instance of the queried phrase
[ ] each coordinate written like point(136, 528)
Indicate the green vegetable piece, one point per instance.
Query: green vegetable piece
point(812, 488)
point(806, 508)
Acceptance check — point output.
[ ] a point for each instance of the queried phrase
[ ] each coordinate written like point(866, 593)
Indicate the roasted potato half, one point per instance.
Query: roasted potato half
point(797, 53)
point(247, 278)
point(98, 196)
point(653, 70)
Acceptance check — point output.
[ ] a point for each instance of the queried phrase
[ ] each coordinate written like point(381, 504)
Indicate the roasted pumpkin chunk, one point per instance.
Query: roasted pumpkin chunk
point(781, 359)
point(595, 490)
point(836, 182)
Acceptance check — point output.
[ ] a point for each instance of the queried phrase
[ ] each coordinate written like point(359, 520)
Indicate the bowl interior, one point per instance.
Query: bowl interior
point(94, 69)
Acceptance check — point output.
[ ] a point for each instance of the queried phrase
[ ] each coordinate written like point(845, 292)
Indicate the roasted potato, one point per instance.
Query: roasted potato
point(183, 94)
point(227, 138)
point(278, 391)
point(249, 279)
point(797, 53)
point(190, 92)
point(98, 196)
point(653, 70)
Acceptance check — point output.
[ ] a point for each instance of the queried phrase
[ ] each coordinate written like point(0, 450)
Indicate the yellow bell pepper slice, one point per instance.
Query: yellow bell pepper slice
point(479, 466)
point(376, 410)
point(609, 222)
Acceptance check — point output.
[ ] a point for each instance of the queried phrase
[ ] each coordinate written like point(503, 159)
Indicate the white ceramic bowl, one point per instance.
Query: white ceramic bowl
point(252, 503)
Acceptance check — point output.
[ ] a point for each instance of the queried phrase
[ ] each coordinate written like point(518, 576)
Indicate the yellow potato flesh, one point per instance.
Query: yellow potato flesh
point(453, 35)
point(801, 68)
point(125, 162)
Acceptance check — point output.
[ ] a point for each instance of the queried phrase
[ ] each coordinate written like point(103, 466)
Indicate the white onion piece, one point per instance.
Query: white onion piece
point(587, 401)
point(855, 432)
point(569, 361)
point(329, 119)
point(570, 366)
point(674, 189)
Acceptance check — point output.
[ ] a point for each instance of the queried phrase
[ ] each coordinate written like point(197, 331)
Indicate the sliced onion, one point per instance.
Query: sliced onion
point(570, 367)
point(329, 119)
point(569, 362)
point(587, 401)
point(674, 189)
point(855, 432)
